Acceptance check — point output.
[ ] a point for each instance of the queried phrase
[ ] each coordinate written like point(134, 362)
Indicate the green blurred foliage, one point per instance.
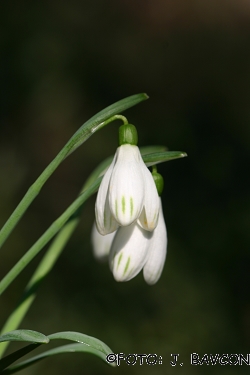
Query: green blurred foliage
point(62, 62)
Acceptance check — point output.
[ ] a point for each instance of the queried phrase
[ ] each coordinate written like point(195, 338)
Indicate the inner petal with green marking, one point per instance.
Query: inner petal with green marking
point(131, 206)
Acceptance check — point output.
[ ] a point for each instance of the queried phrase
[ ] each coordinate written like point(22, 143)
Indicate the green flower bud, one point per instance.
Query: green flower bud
point(159, 182)
point(128, 135)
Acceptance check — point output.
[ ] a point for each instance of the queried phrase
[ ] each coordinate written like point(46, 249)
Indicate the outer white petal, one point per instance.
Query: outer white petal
point(101, 244)
point(104, 220)
point(149, 215)
point(126, 189)
point(157, 252)
point(129, 252)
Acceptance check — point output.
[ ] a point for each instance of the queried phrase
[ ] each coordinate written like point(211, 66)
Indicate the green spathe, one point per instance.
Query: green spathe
point(128, 135)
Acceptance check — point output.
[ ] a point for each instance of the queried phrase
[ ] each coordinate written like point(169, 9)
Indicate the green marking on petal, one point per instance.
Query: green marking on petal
point(123, 204)
point(126, 267)
point(119, 260)
point(105, 218)
point(131, 206)
point(131, 271)
point(116, 208)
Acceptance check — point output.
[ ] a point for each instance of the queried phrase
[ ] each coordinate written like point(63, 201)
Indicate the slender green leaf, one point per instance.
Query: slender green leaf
point(71, 348)
point(24, 335)
point(83, 339)
point(152, 149)
point(161, 157)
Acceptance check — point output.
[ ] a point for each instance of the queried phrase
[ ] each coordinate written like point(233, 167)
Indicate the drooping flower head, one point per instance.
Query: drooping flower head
point(127, 192)
point(129, 215)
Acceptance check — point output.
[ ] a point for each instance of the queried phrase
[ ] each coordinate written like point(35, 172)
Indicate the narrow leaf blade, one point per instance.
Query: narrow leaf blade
point(83, 339)
point(24, 335)
point(152, 149)
point(161, 157)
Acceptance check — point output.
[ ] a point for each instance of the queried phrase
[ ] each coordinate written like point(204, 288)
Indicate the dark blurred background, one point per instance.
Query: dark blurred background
point(60, 63)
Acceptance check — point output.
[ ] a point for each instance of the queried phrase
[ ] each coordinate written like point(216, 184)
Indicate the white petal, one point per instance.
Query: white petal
point(129, 252)
point(157, 252)
point(101, 244)
point(149, 215)
point(126, 189)
point(104, 220)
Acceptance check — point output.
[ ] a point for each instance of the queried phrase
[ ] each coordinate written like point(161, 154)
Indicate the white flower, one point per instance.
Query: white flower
point(101, 244)
point(134, 249)
point(127, 193)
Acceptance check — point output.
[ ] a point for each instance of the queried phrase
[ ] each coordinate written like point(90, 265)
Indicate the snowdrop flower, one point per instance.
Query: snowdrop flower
point(101, 244)
point(127, 192)
point(135, 248)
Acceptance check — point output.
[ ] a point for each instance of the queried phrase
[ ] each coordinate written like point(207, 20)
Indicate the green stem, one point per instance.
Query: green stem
point(47, 236)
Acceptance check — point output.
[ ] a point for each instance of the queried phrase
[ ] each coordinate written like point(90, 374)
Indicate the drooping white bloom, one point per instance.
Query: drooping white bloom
point(101, 244)
point(127, 193)
point(135, 248)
